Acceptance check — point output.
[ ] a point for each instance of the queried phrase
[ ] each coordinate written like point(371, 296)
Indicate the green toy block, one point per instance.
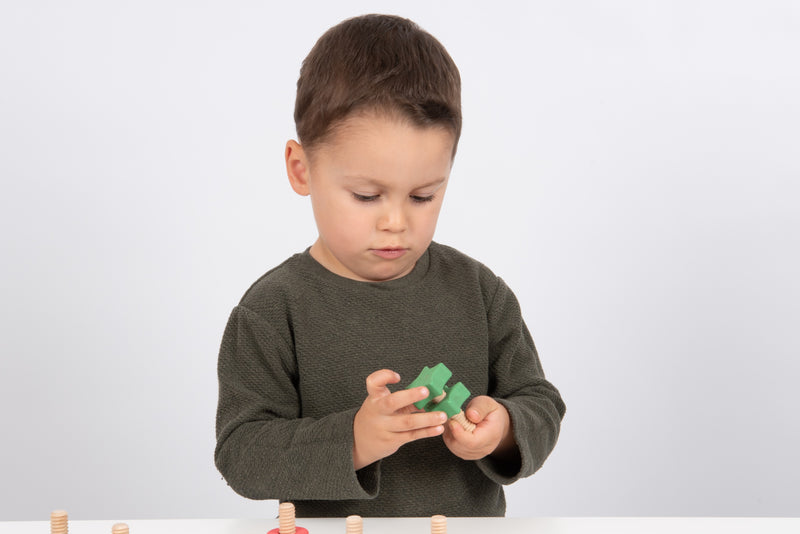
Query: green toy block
point(434, 378)
point(456, 396)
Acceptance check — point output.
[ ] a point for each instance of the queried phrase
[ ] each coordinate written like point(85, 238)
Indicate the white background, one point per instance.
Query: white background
point(631, 168)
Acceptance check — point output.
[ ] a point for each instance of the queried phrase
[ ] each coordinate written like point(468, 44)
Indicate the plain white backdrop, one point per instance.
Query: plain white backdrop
point(630, 168)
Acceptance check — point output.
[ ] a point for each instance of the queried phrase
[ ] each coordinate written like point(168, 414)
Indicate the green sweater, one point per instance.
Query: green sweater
point(292, 367)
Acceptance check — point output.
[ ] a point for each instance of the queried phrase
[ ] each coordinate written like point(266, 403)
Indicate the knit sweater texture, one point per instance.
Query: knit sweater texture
point(292, 367)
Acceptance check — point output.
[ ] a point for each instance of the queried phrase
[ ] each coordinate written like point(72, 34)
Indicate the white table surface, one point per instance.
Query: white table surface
point(455, 525)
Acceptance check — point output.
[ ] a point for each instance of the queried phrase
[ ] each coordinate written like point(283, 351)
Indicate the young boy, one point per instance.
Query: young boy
point(373, 299)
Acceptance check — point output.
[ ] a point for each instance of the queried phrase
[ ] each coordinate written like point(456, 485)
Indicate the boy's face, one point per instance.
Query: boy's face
point(376, 190)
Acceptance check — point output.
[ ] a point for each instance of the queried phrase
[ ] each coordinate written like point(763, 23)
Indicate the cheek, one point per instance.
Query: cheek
point(339, 220)
point(429, 219)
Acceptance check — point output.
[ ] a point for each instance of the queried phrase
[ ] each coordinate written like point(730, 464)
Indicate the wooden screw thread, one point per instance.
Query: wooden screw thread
point(120, 528)
point(462, 420)
point(59, 522)
point(466, 424)
point(286, 518)
point(354, 524)
point(438, 524)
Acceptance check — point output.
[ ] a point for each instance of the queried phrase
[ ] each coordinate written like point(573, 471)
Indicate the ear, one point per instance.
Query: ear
point(297, 167)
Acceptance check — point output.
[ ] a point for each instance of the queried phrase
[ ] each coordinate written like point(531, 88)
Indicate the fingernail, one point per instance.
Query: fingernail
point(423, 391)
point(443, 417)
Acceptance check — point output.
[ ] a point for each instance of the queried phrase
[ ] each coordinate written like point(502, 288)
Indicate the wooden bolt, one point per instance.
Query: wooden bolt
point(354, 524)
point(462, 420)
point(286, 518)
point(286, 523)
point(438, 524)
point(58, 522)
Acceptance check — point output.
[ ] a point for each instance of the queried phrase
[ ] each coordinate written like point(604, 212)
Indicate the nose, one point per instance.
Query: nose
point(393, 219)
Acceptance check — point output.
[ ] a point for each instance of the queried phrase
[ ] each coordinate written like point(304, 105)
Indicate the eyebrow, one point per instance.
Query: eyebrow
point(374, 181)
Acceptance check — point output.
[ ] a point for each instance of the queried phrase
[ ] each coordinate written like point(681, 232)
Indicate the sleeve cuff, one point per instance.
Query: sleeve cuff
point(505, 472)
point(361, 484)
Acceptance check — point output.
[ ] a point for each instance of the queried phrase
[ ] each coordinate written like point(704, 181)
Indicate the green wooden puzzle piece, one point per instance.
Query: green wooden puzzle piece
point(456, 396)
point(435, 378)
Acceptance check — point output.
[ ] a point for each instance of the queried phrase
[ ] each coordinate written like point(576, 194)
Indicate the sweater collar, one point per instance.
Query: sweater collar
point(417, 273)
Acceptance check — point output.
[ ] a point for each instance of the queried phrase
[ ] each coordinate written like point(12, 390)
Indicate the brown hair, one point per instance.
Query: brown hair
point(380, 63)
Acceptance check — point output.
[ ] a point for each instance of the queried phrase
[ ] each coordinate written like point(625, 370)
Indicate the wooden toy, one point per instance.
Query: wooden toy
point(59, 522)
point(354, 525)
point(441, 397)
point(438, 524)
point(286, 521)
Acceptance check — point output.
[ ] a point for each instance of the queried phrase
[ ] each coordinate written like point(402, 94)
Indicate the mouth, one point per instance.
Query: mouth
point(389, 253)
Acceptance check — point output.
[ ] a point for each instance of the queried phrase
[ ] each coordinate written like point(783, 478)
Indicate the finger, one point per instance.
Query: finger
point(480, 407)
point(377, 381)
point(459, 433)
point(417, 421)
point(457, 439)
point(406, 398)
point(467, 445)
point(422, 433)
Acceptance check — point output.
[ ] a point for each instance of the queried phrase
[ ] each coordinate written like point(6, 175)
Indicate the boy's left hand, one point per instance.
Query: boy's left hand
point(492, 435)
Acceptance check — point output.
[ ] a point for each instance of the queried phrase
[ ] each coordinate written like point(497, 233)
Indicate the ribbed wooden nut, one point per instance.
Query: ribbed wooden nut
point(119, 528)
point(286, 518)
point(59, 522)
point(438, 524)
point(465, 423)
point(354, 524)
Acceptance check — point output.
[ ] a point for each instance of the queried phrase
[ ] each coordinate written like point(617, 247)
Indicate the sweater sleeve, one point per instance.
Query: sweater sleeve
point(518, 383)
point(265, 449)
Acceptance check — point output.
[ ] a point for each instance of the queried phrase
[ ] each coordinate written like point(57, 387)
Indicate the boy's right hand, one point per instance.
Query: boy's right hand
point(386, 421)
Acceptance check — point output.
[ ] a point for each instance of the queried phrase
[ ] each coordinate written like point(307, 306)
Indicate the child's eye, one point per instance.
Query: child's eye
point(420, 199)
point(365, 198)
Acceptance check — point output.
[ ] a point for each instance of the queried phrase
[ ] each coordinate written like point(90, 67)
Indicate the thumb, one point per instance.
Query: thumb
point(479, 408)
point(377, 382)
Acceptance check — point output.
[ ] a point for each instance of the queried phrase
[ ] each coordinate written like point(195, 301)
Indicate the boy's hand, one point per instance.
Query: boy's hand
point(493, 434)
point(386, 421)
